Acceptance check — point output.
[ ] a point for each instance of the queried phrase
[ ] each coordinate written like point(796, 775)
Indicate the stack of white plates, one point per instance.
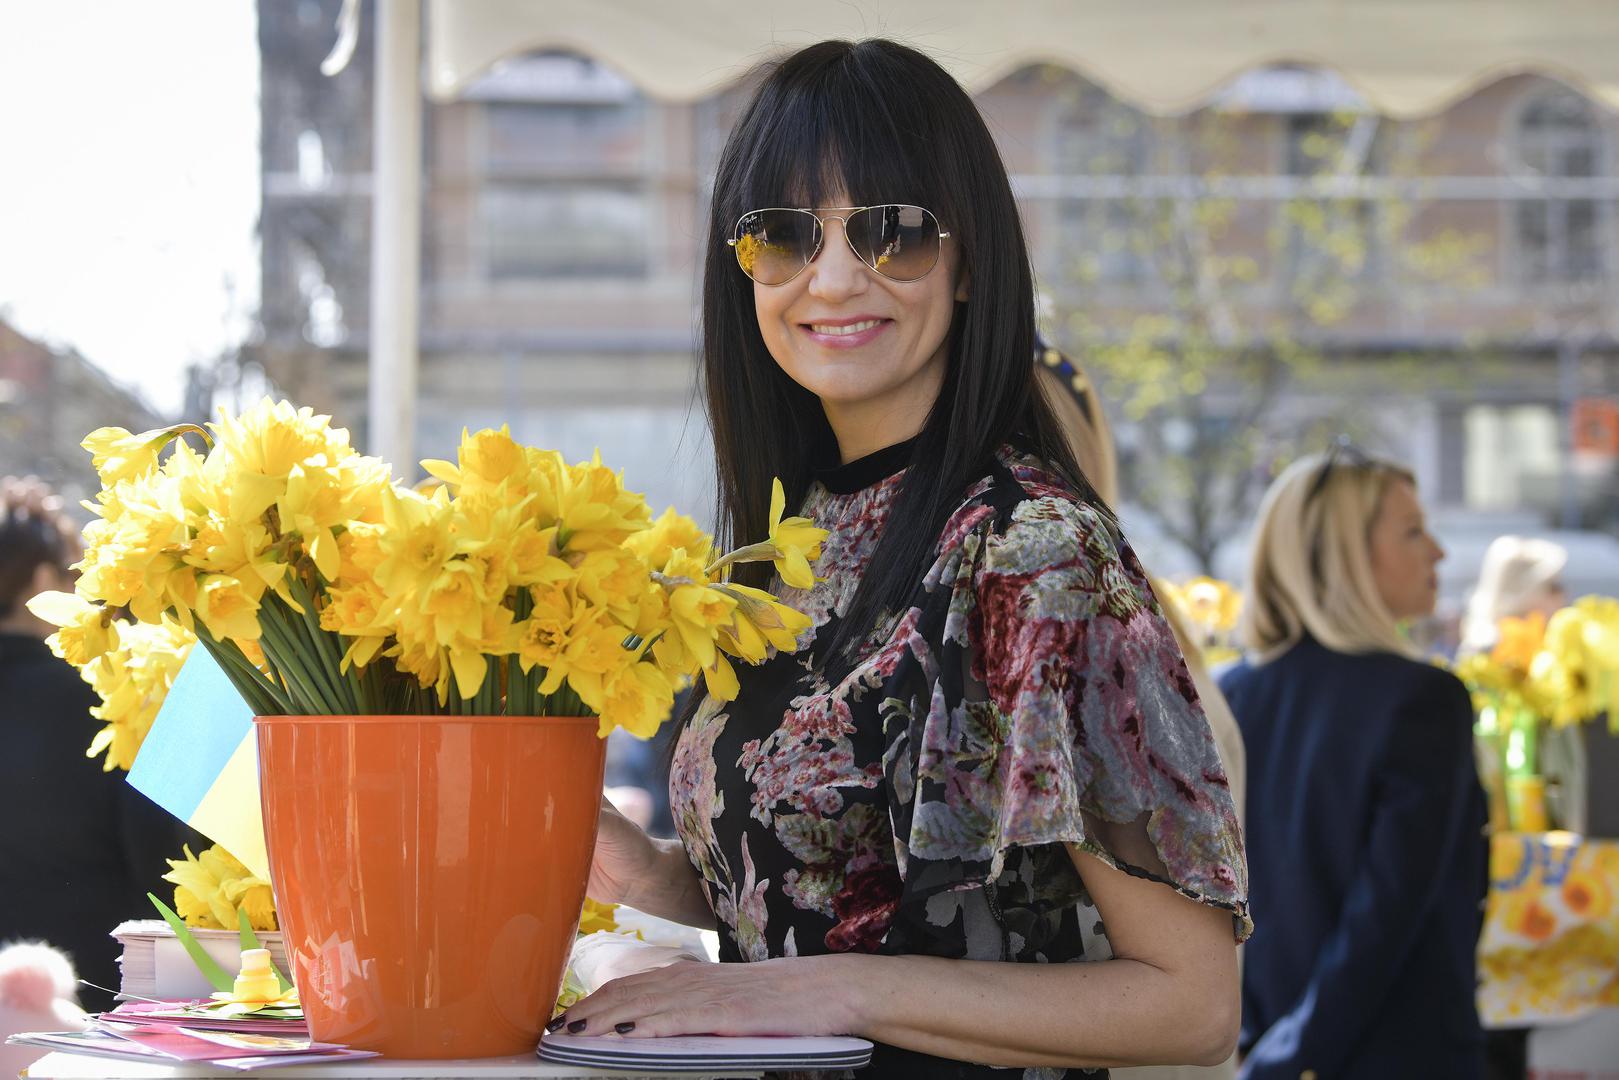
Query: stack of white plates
point(687, 1053)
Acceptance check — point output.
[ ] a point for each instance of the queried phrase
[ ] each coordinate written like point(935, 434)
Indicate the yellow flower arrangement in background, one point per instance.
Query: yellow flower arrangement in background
point(1563, 670)
point(1210, 608)
point(520, 583)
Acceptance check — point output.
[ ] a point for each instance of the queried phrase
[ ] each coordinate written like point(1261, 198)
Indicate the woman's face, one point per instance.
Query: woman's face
point(1405, 557)
point(856, 340)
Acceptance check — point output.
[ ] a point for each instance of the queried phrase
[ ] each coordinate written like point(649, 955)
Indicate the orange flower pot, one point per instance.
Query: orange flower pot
point(429, 872)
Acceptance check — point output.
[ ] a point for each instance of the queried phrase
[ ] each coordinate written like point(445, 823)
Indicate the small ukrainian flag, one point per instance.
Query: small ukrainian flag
point(200, 761)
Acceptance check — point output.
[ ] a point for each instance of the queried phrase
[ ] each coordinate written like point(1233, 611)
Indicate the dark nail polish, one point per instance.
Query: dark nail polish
point(625, 1028)
point(557, 1022)
point(576, 1027)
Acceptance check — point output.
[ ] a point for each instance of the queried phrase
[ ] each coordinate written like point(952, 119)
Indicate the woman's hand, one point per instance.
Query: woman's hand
point(787, 996)
point(625, 856)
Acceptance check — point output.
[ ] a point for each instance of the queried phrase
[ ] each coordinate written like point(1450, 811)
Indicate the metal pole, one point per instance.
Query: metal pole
point(396, 215)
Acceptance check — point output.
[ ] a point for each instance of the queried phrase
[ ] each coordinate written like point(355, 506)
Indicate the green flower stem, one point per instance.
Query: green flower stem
point(318, 645)
point(327, 645)
point(295, 664)
point(514, 687)
point(261, 695)
point(492, 704)
point(519, 683)
point(275, 672)
point(761, 552)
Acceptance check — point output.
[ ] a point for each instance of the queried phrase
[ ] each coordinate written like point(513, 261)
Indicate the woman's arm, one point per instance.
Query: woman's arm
point(654, 876)
point(1169, 995)
point(672, 890)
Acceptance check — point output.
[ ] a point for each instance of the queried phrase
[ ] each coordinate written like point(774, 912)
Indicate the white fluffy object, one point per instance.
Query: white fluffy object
point(36, 994)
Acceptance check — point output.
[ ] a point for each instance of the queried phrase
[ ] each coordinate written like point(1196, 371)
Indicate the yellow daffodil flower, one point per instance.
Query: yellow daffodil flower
point(597, 917)
point(118, 455)
point(86, 631)
point(212, 887)
point(638, 699)
point(672, 531)
point(797, 541)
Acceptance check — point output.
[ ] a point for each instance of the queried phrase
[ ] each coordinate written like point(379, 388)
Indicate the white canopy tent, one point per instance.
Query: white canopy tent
point(1407, 58)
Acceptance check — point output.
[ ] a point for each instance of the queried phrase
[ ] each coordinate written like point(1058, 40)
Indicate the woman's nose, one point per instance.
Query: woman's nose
point(836, 273)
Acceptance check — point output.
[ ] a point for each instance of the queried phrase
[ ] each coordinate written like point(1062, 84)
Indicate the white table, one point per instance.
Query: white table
point(63, 1066)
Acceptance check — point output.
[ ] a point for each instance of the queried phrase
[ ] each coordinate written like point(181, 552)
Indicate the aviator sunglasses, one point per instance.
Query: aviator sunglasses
point(899, 241)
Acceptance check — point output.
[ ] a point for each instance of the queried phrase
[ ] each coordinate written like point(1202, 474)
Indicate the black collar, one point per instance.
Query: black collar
point(863, 472)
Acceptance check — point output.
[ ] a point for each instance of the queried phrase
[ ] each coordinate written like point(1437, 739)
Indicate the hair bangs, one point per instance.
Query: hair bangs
point(842, 132)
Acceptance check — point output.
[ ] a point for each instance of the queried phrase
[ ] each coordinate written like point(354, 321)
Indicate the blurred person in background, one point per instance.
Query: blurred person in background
point(1365, 817)
point(1522, 577)
point(80, 847)
point(1084, 423)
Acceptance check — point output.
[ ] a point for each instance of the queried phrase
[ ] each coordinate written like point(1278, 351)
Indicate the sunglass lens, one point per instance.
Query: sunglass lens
point(772, 246)
point(898, 241)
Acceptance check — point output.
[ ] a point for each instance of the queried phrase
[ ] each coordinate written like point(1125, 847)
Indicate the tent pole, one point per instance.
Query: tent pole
point(396, 215)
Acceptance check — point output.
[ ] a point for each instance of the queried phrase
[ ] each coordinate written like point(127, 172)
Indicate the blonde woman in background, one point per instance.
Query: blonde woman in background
point(1079, 411)
point(1523, 577)
point(1365, 820)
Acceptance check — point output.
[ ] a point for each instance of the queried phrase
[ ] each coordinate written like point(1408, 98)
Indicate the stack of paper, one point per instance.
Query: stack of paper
point(688, 1053)
point(167, 1045)
point(155, 964)
point(187, 1014)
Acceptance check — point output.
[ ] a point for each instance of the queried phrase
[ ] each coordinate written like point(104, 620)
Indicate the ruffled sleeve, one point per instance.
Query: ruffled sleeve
point(1055, 708)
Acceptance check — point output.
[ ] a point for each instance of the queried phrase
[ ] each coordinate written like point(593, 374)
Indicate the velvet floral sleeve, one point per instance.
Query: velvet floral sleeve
point(1060, 711)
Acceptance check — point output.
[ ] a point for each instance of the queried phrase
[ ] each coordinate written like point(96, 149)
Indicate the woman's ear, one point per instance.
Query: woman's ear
point(963, 286)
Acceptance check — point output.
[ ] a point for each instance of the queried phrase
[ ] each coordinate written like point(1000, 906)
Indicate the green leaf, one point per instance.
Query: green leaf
point(250, 940)
point(206, 964)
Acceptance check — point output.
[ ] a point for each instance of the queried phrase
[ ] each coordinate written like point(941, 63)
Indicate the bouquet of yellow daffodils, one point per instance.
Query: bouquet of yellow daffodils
point(1563, 670)
point(520, 584)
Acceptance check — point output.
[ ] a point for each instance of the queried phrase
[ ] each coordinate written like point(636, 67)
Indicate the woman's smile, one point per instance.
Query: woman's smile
point(845, 333)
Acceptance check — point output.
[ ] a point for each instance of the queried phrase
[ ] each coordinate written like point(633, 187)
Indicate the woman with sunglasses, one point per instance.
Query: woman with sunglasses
point(1365, 817)
point(979, 817)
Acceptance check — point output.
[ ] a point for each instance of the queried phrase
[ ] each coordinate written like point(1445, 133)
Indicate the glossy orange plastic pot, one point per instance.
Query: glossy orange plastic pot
point(429, 872)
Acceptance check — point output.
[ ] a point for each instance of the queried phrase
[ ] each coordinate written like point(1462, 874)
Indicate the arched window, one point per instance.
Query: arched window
point(1560, 239)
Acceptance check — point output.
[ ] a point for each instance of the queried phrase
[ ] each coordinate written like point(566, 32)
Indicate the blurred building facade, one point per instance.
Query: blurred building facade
point(564, 218)
point(49, 399)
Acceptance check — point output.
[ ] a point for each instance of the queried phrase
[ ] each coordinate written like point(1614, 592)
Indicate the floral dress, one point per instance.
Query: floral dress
point(916, 797)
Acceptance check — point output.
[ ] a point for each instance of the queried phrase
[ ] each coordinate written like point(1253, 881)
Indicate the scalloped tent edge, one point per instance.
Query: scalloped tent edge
point(1408, 58)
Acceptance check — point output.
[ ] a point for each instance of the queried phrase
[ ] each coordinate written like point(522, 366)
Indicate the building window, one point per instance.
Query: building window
point(1511, 458)
point(1560, 240)
point(568, 137)
point(1102, 235)
point(568, 168)
point(565, 228)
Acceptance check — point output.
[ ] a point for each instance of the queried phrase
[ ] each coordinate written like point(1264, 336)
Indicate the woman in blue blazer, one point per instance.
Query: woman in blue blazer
point(1365, 820)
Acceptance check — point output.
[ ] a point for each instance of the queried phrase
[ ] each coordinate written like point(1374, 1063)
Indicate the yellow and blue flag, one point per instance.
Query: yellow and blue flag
point(200, 761)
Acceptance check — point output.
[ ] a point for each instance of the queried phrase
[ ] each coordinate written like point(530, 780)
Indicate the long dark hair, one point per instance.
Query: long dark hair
point(882, 123)
point(28, 540)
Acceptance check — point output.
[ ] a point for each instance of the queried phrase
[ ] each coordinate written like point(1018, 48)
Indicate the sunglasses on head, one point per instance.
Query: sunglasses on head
point(899, 241)
point(1342, 450)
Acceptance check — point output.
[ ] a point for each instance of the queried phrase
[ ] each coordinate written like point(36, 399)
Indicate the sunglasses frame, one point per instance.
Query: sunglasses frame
point(1342, 449)
point(820, 237)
